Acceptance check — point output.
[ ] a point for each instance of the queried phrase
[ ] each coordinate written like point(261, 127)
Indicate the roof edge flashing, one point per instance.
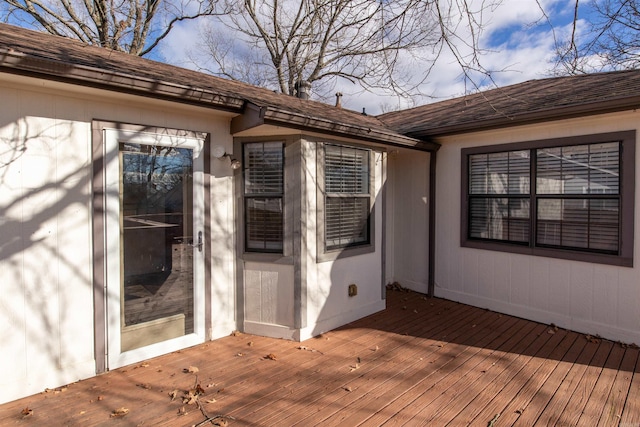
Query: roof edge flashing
point(300, 121)
point(30, 65)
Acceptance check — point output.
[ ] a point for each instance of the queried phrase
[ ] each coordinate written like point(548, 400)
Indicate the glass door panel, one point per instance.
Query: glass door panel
point(154, 265)
point(157, 243)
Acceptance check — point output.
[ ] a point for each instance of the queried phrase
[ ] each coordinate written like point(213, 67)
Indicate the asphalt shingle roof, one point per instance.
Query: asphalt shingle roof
point(27, 51)
point(531, 101)
point(43, 55)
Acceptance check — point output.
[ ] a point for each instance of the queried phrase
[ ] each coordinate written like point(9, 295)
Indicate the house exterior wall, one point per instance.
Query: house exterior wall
point(46, 304)
point(327, 304)
point(302, 292)
point(408, 219)
point(590, 298)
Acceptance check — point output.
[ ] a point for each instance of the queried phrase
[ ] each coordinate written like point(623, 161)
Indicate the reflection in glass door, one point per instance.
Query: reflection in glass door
point(157, 243)
point(154, 243)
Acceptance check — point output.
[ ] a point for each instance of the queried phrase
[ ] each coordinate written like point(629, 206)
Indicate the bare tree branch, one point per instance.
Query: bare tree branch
point(132, 26)
point(610, 39)
point(370, 43)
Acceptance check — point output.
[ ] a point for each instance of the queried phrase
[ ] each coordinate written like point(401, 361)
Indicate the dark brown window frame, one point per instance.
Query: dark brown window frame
point(624, 257)
point(248, 196)
point(325, 253)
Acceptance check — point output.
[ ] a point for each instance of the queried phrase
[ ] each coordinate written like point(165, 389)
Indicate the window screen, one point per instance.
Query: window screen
point(499, 204)
point(567, 196)
point(347, 196)
point(263, 175)
point(578, 197)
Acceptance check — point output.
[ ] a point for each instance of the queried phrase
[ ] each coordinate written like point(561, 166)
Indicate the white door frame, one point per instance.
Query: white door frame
point(112, 138)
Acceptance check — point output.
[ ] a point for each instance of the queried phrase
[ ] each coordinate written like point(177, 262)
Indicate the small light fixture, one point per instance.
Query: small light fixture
point(219, 153)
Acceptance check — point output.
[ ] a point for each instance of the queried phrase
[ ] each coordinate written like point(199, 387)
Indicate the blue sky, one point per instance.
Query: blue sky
point(518, 44)
point(517, 41)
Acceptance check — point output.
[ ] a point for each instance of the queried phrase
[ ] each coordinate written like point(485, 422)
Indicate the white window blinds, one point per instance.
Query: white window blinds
point(263, 174)
point(347, 196)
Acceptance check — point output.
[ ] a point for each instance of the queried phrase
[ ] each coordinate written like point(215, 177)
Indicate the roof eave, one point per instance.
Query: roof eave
point(255, 115)
point(28, 65)
point(561, 113)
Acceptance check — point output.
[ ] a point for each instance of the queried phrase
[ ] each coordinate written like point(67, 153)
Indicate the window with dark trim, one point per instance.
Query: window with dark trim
point(347, 196)
point(263, 179)
point(567, 198)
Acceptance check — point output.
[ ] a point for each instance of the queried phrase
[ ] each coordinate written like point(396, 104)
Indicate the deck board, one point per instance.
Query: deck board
point(594, 407)
point(631, 411)
point(584, 389)
point(419, 362)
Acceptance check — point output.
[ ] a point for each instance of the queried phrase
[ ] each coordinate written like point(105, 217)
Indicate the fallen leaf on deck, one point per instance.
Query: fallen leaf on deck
point(27, 412)
point(121, 412)
point(219, 422)
point(190, 398)
point(240, 354)
point(493, 420)
point(144, 386)
point(353, 368)
point(144, 365)
point(592, 339)
point(210, 401)
point(191, 370)
point(270, 356)
point(182, 411)
point(347, 388)
point(173, 394)
point(55, 390)
point(250, 343)
point(236, 333)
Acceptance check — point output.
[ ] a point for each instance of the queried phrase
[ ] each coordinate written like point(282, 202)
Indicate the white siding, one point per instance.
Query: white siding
point(590, 298)
point(46, 303)
point(328, 304)
point(269, 299)
point(408, 219)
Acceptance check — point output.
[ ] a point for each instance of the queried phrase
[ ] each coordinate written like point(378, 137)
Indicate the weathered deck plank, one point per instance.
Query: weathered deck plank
point(631, 412)
point(584, 389)
point(594, 407)
point(419, 362)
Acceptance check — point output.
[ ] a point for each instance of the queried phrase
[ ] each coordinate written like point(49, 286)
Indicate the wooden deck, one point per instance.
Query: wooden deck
point(421, 362)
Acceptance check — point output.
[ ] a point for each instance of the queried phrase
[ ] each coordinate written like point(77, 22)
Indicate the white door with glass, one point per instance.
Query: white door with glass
point(154, 247)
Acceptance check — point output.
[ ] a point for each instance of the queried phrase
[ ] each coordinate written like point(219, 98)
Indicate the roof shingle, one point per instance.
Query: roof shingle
point(531, 101)
point(29, 52)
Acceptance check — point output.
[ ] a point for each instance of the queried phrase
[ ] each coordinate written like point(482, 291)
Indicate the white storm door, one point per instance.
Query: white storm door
point(154, 244)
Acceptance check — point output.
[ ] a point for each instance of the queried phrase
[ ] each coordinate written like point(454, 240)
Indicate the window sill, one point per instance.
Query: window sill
point(267, 258)
point(565, 254)
point(334, 254)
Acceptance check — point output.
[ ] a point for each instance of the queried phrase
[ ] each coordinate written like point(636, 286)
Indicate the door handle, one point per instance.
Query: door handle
point(199, 244)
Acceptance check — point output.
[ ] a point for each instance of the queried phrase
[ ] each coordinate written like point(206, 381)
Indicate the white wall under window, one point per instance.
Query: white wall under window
point(590, 298)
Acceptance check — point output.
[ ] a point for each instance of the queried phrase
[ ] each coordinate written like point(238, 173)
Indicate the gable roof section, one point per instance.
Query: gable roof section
point(528, 102)
point(36, 54)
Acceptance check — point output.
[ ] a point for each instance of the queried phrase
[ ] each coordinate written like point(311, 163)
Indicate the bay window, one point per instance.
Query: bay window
point(263, 179)
point(346, 180)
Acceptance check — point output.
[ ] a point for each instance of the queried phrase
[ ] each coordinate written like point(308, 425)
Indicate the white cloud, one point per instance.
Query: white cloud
point(517, 40)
